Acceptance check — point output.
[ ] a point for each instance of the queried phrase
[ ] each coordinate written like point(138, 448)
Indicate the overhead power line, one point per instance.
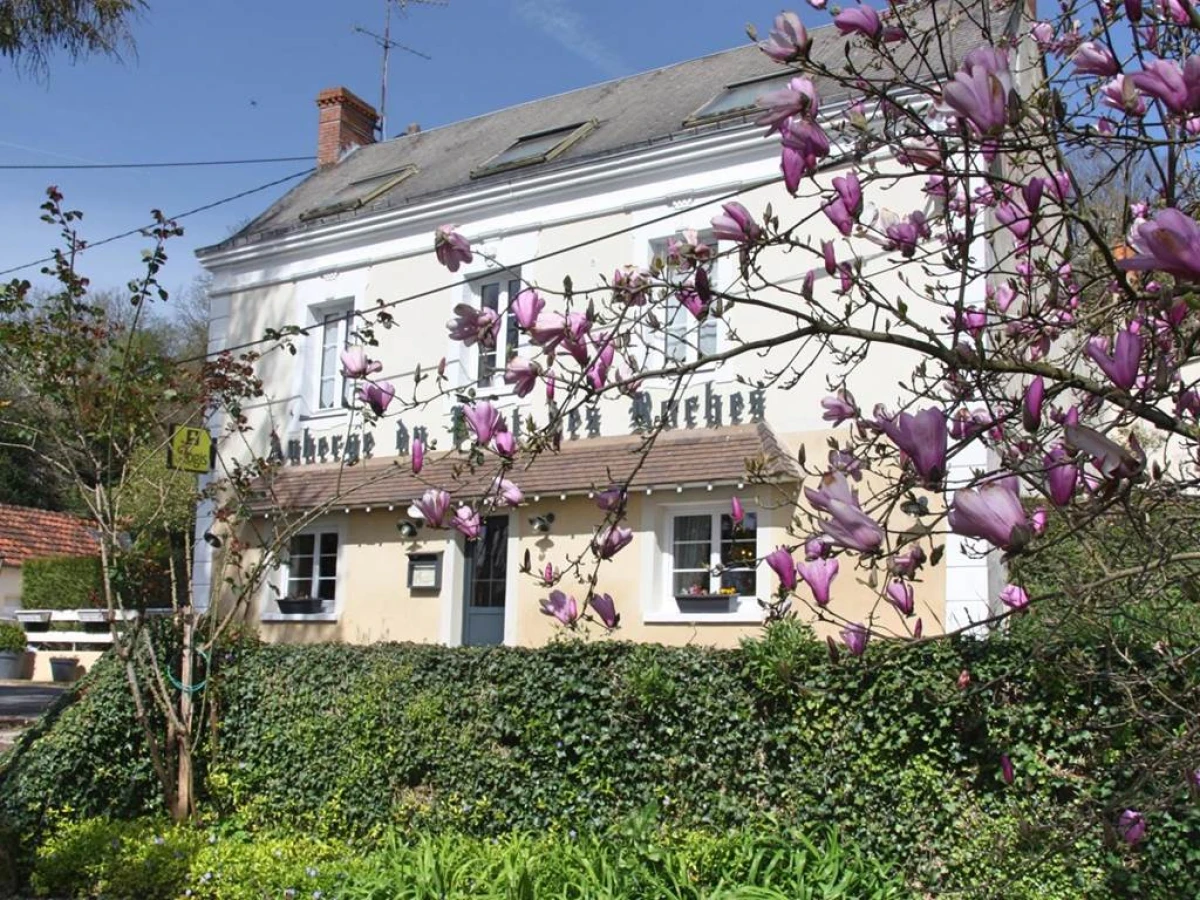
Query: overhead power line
point(157, 165)
point(183, 215)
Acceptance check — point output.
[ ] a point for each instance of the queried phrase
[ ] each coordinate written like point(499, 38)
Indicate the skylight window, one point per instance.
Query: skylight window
point(358, 194)
point(532, 149)
point(737, 98)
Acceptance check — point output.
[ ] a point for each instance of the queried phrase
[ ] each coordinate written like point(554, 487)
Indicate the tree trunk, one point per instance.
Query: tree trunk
point(182, 807)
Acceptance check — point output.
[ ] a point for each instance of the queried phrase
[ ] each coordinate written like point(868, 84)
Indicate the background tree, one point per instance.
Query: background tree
point(31, 31)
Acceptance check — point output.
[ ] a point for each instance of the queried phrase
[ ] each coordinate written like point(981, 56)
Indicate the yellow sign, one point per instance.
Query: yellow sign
point(190, 450)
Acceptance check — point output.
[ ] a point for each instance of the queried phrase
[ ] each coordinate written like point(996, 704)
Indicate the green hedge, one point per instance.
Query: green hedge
point(62, 582)
point(354, 742)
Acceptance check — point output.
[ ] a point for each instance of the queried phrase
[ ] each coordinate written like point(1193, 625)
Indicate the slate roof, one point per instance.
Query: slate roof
point(27, 533)
point(631, 113)
point(685, 458)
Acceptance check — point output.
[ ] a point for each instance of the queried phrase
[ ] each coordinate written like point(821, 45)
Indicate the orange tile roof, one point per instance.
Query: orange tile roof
point(683, 458)
point(27, 533)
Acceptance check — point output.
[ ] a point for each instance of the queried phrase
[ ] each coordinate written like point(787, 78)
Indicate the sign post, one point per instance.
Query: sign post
point(190, 449)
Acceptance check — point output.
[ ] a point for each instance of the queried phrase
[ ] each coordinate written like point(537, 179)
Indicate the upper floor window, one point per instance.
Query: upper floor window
point(335, 324)
point(684, 338)
point(497, 295)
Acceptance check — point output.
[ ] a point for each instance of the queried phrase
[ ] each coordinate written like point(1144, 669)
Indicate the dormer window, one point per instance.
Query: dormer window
point(737, 99)
point(358, 194)
point(531, 149)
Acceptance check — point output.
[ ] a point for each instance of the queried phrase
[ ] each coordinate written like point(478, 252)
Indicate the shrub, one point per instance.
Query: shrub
point(12, 638)
point(351, 743)
point(62, 582)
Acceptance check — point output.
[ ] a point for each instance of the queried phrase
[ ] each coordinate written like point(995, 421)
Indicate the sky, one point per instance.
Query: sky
point(237, 79)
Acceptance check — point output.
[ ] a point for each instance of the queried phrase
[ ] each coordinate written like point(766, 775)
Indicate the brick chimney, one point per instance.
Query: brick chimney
point(345, 121)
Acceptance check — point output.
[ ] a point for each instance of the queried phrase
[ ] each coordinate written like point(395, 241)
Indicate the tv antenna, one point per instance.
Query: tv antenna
point(386, 43)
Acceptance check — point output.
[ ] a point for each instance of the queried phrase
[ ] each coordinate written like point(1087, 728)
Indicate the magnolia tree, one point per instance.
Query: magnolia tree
point(1043, 286)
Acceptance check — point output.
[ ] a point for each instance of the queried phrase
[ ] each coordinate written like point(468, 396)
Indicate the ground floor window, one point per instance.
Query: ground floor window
point(711, 555)
point(310, 575)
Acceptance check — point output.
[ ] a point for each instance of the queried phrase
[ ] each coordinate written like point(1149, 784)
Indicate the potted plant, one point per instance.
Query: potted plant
point(93, 619)
point(64, 668)
point(698, 598)
point(12, 650)
point(35, 619)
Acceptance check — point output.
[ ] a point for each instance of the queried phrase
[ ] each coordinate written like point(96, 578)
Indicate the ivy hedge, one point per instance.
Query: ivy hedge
point(62, 582)
point(899, 750)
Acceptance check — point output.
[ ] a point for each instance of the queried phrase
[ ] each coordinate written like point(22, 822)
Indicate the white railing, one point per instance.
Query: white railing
point(68, 640)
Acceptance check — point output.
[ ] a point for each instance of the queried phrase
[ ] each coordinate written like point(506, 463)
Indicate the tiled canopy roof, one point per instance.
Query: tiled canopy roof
point(695, 458)
point(35, 533)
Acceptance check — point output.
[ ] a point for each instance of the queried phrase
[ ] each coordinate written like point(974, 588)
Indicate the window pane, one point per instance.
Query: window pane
point(302, 544)
point(299, 587)
point(738, 548)
point(740, 96)
point(693, 556)
point(693, 528)
point(741, 580)
point(326, 588)
point(329, 543)
point(510, 322)
point(691, 583)
point(489, 296)
point(708, 337)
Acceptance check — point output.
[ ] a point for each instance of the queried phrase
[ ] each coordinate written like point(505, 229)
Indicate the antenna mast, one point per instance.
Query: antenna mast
point(386, 43)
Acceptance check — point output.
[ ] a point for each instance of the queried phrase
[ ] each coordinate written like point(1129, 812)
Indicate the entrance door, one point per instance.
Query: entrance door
point(484, 578)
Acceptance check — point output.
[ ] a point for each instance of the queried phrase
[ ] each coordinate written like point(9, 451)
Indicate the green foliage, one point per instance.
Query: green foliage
point(143, 859)
point(354, 743)
point(12, 638)
point(62, 582)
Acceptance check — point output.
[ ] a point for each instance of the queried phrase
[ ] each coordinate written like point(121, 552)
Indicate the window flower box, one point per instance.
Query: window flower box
point(706, 602)
point(34, 619)
point(94, 619)
point(299, 606)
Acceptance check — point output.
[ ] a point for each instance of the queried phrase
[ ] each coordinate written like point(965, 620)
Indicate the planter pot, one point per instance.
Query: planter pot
point(34, 619)
point(64, 668)
point(12, 664)
point(294, 606)
point(94, 619)
point(708, 603)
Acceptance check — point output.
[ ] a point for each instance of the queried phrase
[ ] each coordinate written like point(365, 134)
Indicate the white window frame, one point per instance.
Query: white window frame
point(318, 314)
point(278, 587)
point(662, 607)
point(656, 342)
point(508, 337)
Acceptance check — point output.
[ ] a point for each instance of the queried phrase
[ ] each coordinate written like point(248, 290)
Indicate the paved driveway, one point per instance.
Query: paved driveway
point(26, 701)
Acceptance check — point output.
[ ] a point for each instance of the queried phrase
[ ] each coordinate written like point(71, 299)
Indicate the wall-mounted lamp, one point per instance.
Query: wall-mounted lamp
point(408, 528)
point(541, 524)
point(212, 540)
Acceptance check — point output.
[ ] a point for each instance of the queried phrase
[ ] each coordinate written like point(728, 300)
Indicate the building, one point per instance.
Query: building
point(26, 534)
point(574, 186)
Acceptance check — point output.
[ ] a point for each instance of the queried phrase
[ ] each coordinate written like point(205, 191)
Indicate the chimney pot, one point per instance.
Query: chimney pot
point(344, 121)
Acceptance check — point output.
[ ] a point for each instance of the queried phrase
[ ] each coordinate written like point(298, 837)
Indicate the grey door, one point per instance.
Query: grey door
point(484, 580)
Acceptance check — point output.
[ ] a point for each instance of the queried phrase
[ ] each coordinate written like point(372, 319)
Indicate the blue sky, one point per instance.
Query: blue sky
point(225, 79)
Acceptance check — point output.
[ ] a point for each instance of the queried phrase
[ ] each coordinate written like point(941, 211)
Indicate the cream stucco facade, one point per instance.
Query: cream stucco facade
point(583, 222)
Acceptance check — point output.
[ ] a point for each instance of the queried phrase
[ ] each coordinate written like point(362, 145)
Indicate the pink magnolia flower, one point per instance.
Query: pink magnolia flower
point(451, 248)
point(788, 41)
point(507, 491)
point(798, 99)
point(604, 607)
point(1178, 89)
point(355, 363)
point(839, 407)
point(1131, 826)
point(1015, 219)
point(472, 325)
point(905, 234)
point(923, 152)
point(781, 563)
point(522, 374)
point(849, 191)
point(817, 548)
point(905, 565)
point(1170, 242)
point(840, 216)
point(736, 512)
point(562, 607)
point(818, 574)
point(632, 286)
point(993, 512)
point(484, 419)
point(1092, 58)
point(432, 507)
point(597, 373)
point(610, 540)
point(1111, 459)
point(527, 306)
point(1006, 769)
point(466, 521)
point(855, 637)
point(900, 595)
point(804, 145)
point(851, 528)
point(505, 444)
point(980, 90)
point(418, 455)
point(1014, 597)
point(610, 499)
point(1062, 475)
point(1038, 521)
point(1031, 409)
point(1121, 94)
point(736, 224)
point(922, 438)
point(1122, 366)
point(859, 20)
point(834, 487)
point(377, 395)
